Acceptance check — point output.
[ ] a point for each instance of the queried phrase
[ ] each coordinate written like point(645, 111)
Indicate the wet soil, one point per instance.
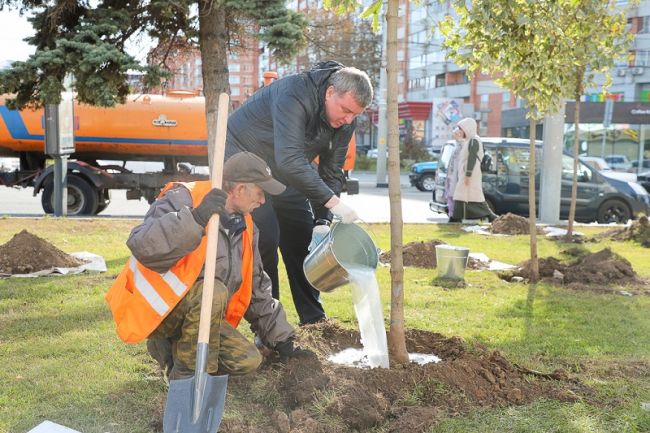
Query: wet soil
point(312, 395)
point(419, 254)
point(510, 224)
point(638, 231)
point(26, 253)
point(598, 271)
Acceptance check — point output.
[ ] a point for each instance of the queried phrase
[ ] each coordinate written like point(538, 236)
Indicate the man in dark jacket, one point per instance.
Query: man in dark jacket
point(288, 124)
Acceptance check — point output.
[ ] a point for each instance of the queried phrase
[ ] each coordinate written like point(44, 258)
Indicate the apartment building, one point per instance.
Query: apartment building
point(243, 67)
point(616, 127)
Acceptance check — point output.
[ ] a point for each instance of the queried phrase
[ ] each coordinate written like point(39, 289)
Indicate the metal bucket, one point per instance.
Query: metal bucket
point(451, 261)
point(347, 246)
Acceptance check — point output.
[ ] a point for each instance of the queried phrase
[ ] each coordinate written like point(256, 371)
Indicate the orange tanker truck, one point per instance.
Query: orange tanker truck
point(167, 129)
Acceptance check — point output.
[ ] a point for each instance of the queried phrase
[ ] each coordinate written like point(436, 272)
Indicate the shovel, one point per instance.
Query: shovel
point(196, 404)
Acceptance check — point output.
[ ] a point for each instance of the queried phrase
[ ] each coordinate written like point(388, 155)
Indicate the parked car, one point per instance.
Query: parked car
point(9, 164)
point(372, 153)
point(644, 180)
point(505, 185)
point(599, 164)
point(362, 150)
point(422, 175)
point(618, 162)
point(645, 164)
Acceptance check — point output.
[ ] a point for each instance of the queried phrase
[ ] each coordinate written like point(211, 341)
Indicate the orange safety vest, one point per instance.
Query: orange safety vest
point(140, 298)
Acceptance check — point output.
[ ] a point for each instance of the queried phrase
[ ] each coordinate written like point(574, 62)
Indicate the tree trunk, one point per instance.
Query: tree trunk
point(534, 262)
point(397, 341)
point(576, 151)
point(214, 67)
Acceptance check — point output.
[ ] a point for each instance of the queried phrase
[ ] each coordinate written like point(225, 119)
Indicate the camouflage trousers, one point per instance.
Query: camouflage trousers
point(173, 343)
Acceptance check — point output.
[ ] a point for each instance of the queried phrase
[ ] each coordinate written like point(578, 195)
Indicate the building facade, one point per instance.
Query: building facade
point(185, 65)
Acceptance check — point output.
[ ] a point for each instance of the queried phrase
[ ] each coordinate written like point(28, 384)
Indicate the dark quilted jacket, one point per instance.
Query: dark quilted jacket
point(284, 123)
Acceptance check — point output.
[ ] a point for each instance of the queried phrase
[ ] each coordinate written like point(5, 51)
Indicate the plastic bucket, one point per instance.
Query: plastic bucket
point(451, 261)
point(347, 246)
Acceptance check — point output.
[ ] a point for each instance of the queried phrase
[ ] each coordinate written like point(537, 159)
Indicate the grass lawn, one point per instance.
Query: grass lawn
point(62, 361)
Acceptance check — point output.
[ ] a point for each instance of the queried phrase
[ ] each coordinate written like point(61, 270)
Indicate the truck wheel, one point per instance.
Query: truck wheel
point(613, 211)
point(82, 198)
point(104, 199)
point(427, 182)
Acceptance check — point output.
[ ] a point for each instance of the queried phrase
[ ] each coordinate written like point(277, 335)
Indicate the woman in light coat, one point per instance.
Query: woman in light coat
point(469, 201)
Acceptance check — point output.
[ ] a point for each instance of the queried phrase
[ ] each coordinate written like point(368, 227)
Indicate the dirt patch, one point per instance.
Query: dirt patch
point(597, 271)
point(313, 395)
point(510, 224)
point(26, 253)
point(419, 254)
point(638, 231)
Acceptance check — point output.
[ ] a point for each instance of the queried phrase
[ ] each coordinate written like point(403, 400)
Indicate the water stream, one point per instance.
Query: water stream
point(370, 316)
point(367, 306)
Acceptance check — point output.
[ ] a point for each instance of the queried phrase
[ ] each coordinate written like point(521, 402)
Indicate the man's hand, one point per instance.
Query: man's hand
point(287, 350)
point(466, 181)
point(213, 202)
point(345, 212)
point(317, 235)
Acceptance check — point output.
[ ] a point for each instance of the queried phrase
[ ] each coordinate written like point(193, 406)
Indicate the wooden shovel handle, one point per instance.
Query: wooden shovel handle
point(213, 225)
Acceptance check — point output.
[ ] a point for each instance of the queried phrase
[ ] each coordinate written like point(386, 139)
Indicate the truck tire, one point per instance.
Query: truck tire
point(104, 199)
point(613, 211)
point(427, 182)
point(82, 197)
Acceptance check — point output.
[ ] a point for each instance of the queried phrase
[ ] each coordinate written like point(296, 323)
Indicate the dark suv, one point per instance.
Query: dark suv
point(505, 185)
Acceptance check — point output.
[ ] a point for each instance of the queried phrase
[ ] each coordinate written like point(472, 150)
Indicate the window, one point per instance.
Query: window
point(583, 173)
point(234, 91)
point(234, 67)
point(484, 101)
point(644, 25)
point(234, 79)
point(505, 98)
point(642, 58)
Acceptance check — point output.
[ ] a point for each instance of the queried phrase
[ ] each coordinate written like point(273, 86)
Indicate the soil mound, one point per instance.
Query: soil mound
point(599, 270)
point(419, 254)
point(638, 231)
point(510, 224)
point(26, 253)
point(313, 395)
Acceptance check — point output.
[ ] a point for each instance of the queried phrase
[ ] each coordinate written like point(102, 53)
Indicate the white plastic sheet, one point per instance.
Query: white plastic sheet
point(94, 263)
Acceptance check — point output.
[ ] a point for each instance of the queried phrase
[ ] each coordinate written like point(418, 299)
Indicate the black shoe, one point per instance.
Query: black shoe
point(313, 321)
point(454, 220)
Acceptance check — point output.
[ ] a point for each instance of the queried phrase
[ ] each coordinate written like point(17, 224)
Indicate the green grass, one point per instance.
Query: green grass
point(62, 361)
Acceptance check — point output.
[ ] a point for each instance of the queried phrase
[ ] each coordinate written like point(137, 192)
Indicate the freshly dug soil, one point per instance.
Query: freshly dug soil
point(26, 253)
point(510, 224)
point(639, 231)
point(312, 395)
point(419, 254)
point(596, 271)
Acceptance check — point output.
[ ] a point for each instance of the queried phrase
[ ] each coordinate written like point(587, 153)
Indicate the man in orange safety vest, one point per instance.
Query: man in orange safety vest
point(157, 296)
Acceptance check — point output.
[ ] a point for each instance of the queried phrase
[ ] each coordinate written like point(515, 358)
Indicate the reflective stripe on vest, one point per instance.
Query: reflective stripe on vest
point(140, 298)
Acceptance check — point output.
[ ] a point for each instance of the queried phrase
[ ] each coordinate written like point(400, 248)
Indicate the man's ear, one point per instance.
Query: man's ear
point(329, 92)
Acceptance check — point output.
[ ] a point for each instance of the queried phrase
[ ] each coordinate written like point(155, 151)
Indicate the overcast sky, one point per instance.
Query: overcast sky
point(13, 29)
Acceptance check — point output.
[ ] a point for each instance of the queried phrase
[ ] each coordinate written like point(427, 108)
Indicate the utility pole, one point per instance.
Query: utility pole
point(550, 188)
point(382, 128)
point(59, 143)
point(607, 120)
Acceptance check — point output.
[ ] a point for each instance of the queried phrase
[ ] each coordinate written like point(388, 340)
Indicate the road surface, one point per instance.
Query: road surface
point(371, 203)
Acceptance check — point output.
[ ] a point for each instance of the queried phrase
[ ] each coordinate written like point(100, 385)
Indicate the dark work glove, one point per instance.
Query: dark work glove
point(287, 350)
point(213, 202)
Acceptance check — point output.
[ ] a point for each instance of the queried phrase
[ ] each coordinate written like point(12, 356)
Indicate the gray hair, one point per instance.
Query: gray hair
point(356, 82)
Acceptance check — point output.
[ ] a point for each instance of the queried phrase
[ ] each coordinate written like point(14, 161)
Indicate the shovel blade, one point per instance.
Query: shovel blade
point(180, 400)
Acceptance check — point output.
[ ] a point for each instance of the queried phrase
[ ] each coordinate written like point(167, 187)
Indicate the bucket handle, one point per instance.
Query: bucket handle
point(371, 233)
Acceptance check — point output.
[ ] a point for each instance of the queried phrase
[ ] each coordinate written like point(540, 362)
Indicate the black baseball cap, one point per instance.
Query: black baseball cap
point(246, 167)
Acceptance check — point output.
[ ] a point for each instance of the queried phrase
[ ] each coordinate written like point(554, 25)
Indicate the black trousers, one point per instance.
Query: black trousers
point(287, 221)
